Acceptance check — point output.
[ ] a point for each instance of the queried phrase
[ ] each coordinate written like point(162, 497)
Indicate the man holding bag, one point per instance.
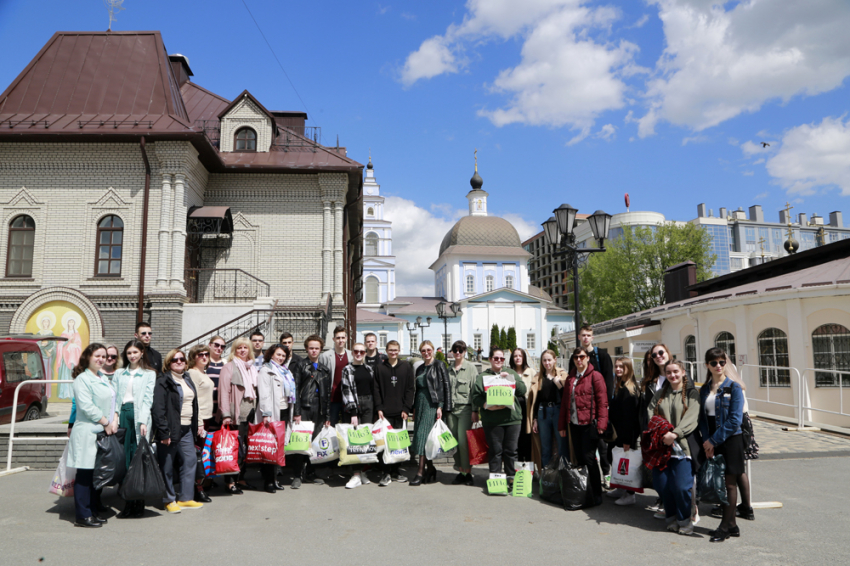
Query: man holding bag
point(500, 412)
point(394, 391)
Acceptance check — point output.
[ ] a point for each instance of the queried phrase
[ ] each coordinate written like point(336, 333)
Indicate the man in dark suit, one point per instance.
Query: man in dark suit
point(144, 333)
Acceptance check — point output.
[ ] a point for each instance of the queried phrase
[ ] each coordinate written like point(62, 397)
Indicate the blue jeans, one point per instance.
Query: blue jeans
point(674, 485)
point(547, 425)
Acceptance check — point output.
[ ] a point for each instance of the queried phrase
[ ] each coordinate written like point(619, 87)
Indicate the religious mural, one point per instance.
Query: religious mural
point(60, 318)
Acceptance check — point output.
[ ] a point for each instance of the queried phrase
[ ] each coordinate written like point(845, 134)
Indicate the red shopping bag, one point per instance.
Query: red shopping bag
point(226, 451)
point(266, 442)
point(477, 446)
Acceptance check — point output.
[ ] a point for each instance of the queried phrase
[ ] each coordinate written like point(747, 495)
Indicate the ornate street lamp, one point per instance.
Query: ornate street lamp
point(443, 309)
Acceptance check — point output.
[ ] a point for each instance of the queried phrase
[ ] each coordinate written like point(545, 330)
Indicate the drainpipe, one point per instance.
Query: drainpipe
point(696, 337)
point(143, 255)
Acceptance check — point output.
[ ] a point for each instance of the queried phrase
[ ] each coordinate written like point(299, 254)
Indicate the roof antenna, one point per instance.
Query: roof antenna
point(114, 6)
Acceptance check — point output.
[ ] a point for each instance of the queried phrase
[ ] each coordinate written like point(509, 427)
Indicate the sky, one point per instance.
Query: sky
point(572, 101)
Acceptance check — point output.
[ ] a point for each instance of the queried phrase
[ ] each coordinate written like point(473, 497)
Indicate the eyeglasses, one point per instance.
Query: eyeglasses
point(204, 355)
point(498, 359)
point(659, 354)
point(581, 357)
point(716, 363)
point(145, 333)
point(359, 352)
point(111, 357)
point(457, 351)
point(217, 345)
point(178, 360)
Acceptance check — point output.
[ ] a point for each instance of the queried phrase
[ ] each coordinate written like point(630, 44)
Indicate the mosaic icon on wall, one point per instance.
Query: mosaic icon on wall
point(60, 318)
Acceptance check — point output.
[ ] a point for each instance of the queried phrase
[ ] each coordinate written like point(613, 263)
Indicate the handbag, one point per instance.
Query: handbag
point(477, 444)
point(573, 480)
point(62, 483)
point(751, 447)
point(226, 451)
point(711, 481)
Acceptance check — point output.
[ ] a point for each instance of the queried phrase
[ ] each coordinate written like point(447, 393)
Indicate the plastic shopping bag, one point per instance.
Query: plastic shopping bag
point(518, 466)
point(477, 443)
point(301, 438)
point(550, 484)
point(497, 484)
point(500, 390)
point(144, 478)
point(265, 443)
point(397, 443)
point(711, 481)
point(573, 484)
point(226, 451)
point(440, 443)
point(626, 469)
point(522, 484)
point(358, 452)
point(325, 447)
point(379, 433)
point(110, 464)
point(62, 483)
point(207, 460)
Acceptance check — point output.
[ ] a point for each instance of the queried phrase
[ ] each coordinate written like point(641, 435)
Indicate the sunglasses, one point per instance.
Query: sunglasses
point(457, 351)
point(178, 360)
point(581, 357)
point(359, 352)
point(258, 340)
point(145, 333)
point(498, 359)
point(217, 345)
point(204, 355)
point(659, 354)
point(111, 357)
point(716, 363)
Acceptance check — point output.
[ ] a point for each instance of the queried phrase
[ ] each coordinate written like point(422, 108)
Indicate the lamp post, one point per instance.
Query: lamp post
point(559, 232)
point(411, 326)
point(443, 314)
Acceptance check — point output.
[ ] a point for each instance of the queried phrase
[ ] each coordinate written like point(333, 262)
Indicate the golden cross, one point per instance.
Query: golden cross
point(761, 245)
point(476, 159)
point(787, 210)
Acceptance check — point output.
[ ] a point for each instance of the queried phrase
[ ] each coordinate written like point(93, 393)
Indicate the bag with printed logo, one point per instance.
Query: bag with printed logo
point(440, 443)
point(266, 443)
point(356, 444)
point(325, 447)
point(625, 469)
point(300, 438)
point(397, 449)
point(226, 451)
point(62, 483)
point(379, 433)
point(499, 390)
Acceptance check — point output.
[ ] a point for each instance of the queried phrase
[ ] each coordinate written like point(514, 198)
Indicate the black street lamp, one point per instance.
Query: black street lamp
point(411, 326)
point(443, 314)
point(559, 232)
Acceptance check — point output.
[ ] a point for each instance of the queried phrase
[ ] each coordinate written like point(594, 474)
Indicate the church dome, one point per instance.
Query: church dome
point(482, 231)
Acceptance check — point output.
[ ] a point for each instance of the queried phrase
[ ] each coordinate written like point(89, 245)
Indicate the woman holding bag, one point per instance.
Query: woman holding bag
point(276, 394)
point(545, 407)
point(135, 384)
point(358, 402)
point(95, 413)
point(433, 394)
point(623, 414)
point(237, 402)
point(461, 378)
point(722, 402)
point(199, 357)
point(519, 363)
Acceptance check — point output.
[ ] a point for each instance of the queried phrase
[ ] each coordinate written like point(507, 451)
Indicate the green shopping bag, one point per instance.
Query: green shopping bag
point(298, 441)
point(500, 395)
point(447, 441)
point(497, 484)
point(522, 484)
point(360, 436)
point(398, 440)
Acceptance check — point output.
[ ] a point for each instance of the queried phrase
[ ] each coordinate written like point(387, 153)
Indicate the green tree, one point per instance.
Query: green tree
point(495, 340)
point(503, 339)
point(629, 276)
point(511, 343)
point(553, 345)
point(442, 357)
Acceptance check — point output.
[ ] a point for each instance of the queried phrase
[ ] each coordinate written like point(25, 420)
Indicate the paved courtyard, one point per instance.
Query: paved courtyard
point(444, 524)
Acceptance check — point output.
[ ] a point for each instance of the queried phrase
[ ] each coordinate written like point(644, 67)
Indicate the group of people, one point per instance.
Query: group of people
point(175, 401)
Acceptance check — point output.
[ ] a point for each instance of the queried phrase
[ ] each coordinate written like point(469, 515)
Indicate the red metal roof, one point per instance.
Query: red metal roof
point(202, 104)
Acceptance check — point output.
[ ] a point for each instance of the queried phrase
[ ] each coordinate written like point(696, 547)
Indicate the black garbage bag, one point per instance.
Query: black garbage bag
point(550, 486)
point(573, 481)
point(199, 464)
point(144, 478)
point(711, 481)
point(110, 465)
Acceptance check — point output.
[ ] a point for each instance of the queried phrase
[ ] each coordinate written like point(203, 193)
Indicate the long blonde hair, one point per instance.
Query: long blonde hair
point(241, 341)
point(628, 378)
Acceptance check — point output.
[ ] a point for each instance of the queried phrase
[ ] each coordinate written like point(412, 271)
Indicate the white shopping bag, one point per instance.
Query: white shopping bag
point(400, 453)
point(504, 382)
point(625, 469)
point(62, 483)
point(325, 447)
point(352, 454)
point(518, 466)
point(379, 433)
point(440, 443)
point(301, 435)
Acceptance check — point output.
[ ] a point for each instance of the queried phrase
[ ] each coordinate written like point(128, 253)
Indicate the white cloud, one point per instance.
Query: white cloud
point(814, 156)
point(748, 173)
point(694, 139)
point(719, 62)
point(750, 148)
point(761, 196)
point(524, 228)
point(641, 22)
point(565, 76)
point(607, 132)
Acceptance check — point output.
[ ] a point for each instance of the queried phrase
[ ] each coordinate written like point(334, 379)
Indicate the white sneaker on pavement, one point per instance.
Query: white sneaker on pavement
point(616, 493)
point(627, 499)
point(355, 481)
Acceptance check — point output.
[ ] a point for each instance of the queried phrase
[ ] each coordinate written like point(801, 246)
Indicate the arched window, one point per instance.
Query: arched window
point(726, 342)
point(470, 284)
point(488, 284)
point(371, 244)
point(370, 211)
point(20, 249)
point(245, 140)
point(773, 351)
point(110, 244)
point(831, 349)
point(691, 355)
point(372, 296)
point(509, 281)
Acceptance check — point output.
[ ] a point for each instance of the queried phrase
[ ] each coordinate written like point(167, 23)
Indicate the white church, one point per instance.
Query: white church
point(481, 268)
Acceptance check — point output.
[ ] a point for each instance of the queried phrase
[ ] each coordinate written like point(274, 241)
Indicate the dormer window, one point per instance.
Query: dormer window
point(246, 140)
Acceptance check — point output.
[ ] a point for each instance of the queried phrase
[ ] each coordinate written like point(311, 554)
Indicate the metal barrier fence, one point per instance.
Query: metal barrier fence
point(806, 404)
point(9, 469)
point(754, 392)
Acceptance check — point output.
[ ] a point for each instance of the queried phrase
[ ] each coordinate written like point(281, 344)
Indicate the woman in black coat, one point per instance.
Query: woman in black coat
point(623, 414)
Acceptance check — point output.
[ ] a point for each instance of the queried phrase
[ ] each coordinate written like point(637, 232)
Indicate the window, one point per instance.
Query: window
point(751, 239)
point(110, 240)
point(726, 342)
point(618, 350)
point(372, 290)
point(22, 366)
point(773, 352)
point(831, 348)
point(382, 340)
point(447, 342)
point(488, 283)
point(530, 341)
point(414, 342)
point(476, 341)
point(509, 281)
point(736, 263)
point(246, 140)
point(470, 284)
point(371, 244)
point(691, 355)
point(370, 211)
point(20, 248)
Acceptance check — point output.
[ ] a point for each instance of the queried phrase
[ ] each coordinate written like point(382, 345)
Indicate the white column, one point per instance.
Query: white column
point(327, 257)
point(164, 233)
point(178, 232)
point(337, 268)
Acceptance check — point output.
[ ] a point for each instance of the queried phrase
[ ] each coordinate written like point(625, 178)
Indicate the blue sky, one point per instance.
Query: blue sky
point(566, 100)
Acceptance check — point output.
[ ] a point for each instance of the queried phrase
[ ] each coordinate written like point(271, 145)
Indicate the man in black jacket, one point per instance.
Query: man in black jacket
point(312, 401)
point(295, 360)
point(373, 357)
point(144, 333)
point(395, 384)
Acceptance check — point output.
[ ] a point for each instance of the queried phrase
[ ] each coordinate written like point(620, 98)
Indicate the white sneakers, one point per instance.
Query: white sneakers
point(626, 499)
point(616, 493)
point(357, 480)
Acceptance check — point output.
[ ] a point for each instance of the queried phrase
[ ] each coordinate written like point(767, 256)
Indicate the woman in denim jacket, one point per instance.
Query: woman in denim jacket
point(720, 416)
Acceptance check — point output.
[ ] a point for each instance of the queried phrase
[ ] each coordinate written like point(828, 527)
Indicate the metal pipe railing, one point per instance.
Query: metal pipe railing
point(798, 414)
point(812, 372)
point(14, 414)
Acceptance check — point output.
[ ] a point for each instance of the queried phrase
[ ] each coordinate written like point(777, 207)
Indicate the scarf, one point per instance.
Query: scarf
point(246, 377)
point(655, 453)
point(286, 377)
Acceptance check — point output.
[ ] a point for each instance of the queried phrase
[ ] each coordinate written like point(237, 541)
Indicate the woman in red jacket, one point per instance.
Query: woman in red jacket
point(584, 413)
